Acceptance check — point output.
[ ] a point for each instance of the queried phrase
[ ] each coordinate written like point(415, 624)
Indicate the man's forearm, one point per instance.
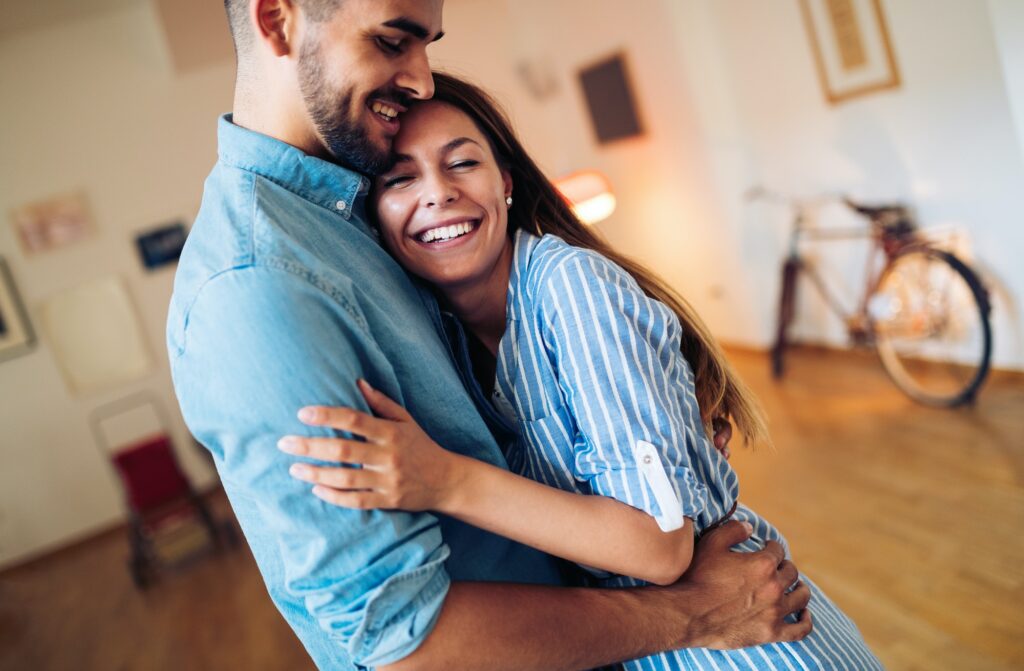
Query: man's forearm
point(726, 600)
point(499, 626)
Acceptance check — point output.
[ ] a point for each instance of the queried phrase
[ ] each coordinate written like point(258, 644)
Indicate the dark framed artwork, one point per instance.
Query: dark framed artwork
point(160, 246)
point(16, 334)
point(852, 51)
point(610, 101)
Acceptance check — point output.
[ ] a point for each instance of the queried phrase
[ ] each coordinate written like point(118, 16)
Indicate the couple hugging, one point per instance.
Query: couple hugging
point(458, 430)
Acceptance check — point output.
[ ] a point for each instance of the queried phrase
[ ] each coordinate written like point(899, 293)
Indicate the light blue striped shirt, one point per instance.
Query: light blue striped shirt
point(589, 369)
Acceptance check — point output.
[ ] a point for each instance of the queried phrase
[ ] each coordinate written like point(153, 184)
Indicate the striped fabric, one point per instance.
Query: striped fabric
point(589, 366)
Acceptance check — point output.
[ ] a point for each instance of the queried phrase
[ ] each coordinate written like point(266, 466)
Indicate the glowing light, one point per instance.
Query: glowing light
point(590, 194)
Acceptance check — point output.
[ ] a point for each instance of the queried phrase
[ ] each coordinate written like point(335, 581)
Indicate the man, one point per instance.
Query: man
point(284, 299)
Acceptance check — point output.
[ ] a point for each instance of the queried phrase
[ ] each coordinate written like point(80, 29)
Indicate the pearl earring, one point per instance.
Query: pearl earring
point(508, 201)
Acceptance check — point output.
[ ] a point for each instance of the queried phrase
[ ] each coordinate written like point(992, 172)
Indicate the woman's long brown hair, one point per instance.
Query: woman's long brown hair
point(540, 208)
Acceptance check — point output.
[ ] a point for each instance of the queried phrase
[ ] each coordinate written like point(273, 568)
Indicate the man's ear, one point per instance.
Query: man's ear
point(274, 22)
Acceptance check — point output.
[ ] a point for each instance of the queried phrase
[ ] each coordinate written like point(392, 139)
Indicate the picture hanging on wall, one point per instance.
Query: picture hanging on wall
point(162, 245)
point(52, 223)
point(16, 336)
point(96, 336)
point(852, 51)
point(609, 96)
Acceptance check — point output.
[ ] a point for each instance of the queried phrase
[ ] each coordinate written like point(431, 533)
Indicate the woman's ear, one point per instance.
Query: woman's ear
point(506, 179)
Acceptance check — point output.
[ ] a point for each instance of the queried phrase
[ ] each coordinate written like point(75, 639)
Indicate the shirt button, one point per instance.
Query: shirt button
point(341, 205)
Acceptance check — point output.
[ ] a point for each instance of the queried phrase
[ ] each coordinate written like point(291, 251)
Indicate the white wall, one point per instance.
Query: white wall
point(91, 105)
point(946, 140)
point(730, 98)
point(669, 212)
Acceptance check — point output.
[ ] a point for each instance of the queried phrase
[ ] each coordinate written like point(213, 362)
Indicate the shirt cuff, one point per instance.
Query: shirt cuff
point(401, 615)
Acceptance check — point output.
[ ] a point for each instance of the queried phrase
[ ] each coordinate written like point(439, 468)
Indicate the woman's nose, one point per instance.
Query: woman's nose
point(440, 192)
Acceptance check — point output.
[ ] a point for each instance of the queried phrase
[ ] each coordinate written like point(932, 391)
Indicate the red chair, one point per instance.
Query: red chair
point(164, 511)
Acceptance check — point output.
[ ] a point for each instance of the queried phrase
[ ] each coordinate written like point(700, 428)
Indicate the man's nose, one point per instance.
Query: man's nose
point(416, 78)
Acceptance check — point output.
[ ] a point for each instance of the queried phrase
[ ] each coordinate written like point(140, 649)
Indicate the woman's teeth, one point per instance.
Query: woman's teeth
point(447, 232)
point(385, 111)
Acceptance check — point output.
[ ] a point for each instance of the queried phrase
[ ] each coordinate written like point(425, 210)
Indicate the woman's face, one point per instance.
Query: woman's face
point(442, 208)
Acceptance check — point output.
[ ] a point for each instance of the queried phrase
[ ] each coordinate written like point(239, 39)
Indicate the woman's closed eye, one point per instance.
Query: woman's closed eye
point(395, 181)
point(464, 163)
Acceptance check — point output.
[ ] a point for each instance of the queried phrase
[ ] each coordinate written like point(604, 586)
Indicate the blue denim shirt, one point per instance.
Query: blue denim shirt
point(283, 298)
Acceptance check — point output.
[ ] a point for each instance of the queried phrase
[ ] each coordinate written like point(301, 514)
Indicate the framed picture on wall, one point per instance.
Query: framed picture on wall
point(16, 335)
point(161, 246)
point(53, 223)
point(608, 93)
point(851, 47)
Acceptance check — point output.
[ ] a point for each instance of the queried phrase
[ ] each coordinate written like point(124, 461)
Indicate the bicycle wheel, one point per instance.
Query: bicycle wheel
point(930, 319)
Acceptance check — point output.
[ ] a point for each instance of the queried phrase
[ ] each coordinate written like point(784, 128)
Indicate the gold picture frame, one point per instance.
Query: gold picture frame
point(852, 50)
point(16, 334)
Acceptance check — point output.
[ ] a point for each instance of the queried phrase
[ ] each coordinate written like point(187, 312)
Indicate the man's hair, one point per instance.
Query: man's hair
point(241, 30)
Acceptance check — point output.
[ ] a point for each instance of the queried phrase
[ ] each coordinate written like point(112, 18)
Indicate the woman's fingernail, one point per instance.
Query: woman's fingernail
point(308, 414)
point(748, 527)
point(290, 444)
point(299, 470)
point(364, 384)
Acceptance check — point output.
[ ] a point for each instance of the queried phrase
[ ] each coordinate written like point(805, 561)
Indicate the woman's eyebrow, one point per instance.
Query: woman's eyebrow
point(456, 143)
point(450, 146)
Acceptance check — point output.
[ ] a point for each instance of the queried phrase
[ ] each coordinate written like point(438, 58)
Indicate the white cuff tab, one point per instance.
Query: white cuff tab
point(653, 471)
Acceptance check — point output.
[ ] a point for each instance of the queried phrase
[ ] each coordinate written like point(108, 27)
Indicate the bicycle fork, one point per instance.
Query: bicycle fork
point(787, 307)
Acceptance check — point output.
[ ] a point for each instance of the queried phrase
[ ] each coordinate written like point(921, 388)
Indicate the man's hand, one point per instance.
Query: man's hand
point(740, 599)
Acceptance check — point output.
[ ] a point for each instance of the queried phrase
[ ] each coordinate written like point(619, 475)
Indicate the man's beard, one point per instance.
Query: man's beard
point(347, 142)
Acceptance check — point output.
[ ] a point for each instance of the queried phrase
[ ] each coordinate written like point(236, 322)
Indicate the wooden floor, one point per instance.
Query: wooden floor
point(912, 519)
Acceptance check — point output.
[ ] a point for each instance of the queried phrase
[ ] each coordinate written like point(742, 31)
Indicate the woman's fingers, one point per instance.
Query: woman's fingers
point(723, 434)
point(337, 450)
point(381, 405)
point(335, 477)
point(350, 420)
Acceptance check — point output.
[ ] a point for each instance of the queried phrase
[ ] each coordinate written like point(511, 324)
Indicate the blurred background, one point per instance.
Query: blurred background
point(909, 516)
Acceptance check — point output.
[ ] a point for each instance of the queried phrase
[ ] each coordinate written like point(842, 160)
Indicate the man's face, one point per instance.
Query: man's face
point(359, 70)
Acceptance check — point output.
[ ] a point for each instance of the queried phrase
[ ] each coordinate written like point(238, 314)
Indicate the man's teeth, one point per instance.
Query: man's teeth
point(385, 110)
point(447, 232)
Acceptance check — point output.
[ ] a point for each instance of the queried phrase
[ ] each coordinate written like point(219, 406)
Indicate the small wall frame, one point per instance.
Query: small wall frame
point(16, 334)
point(609, 96)
point(852, 51)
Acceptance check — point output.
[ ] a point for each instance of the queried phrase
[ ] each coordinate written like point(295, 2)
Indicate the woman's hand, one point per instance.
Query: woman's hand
point(723, 434)
point(402, 468)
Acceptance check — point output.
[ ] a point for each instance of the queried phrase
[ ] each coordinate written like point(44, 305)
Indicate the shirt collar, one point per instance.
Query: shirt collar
point(523, 244)
point(316, 180)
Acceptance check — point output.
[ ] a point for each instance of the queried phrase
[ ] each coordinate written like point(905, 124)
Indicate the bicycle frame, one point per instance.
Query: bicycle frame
point(889, 243)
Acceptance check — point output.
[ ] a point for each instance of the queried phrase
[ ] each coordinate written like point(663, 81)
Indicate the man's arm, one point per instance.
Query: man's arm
point(726, 600)
point(260, 343)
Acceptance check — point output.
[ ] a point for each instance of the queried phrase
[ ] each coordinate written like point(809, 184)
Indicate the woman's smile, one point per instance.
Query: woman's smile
point(442, 207)
point(448, 233)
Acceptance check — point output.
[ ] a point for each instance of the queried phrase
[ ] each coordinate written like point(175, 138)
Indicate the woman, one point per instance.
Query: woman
point(607, 377)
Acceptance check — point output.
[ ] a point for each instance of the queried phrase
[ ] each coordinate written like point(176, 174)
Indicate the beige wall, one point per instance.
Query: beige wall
point(727, 93)
point(731, 99)
point(93, 105)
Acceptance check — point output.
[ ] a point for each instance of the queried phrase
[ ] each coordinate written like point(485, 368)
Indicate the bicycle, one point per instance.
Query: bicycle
point(923, 309)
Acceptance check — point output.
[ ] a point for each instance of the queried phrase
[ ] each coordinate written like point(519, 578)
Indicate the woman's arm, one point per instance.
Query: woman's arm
point(404, 469)
point(595, 531)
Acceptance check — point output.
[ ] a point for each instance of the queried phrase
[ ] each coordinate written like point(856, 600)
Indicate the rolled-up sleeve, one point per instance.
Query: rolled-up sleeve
point(616, 353)
point(258, 344)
